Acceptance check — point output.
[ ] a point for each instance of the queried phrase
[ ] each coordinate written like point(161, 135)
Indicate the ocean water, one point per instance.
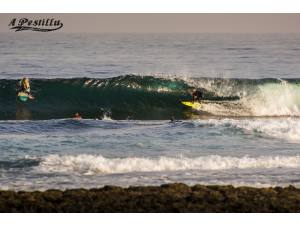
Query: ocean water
point(127, 87)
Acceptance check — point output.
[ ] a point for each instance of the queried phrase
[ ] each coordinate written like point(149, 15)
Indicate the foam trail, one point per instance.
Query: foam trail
point(97, 164)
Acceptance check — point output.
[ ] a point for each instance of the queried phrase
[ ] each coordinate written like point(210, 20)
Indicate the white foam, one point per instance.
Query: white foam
point(272, 99)
point(281, 99)
point(283, 128)
point(106, 117)
point(226, 108)
point(97, 164)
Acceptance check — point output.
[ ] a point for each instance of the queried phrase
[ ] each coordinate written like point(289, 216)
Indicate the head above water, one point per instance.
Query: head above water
point(25, 79)
point(77, 116)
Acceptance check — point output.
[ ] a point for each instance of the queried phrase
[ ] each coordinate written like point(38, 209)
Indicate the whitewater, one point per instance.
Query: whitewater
point(127, 87)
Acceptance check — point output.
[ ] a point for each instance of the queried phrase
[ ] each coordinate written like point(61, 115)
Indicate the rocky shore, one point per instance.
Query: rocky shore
point(165, 198)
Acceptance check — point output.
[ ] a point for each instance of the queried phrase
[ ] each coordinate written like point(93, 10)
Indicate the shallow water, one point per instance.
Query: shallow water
point(92, 153)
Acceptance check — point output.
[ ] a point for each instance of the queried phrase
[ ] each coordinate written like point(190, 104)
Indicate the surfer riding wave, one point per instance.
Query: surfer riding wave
point(147, 98)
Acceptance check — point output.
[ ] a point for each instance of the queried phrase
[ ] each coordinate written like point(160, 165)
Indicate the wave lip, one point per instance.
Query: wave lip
point(97, 164)
point(123, 97)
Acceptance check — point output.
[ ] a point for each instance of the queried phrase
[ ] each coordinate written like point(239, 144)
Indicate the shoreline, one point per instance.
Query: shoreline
point(175, 197)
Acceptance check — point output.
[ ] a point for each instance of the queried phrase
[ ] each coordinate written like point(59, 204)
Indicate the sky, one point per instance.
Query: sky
point(167, 23)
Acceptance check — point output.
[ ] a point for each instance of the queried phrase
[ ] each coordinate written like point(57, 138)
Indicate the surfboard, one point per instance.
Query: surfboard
point(193, 105)
point(23, 97)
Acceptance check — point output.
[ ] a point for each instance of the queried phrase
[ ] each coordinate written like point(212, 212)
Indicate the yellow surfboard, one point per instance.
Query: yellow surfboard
point(193, 105)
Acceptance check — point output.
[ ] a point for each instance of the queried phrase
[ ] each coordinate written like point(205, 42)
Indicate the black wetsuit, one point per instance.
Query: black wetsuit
point(197, 95)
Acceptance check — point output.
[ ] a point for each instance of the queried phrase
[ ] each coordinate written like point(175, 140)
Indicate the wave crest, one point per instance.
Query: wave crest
point(150, 98)
point(97, 164)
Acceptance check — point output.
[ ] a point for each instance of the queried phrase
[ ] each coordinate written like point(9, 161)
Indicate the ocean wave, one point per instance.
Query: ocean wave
point(150, 98)
point(281, 128)
point(18, 163)
point(97, 164)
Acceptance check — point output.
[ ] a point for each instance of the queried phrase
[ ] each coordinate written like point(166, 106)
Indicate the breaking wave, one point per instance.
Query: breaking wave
point(281, 128)
point(97, 164)
point(150, 98)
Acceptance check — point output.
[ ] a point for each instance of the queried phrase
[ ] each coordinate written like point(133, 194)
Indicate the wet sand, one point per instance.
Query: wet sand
point(165, 198)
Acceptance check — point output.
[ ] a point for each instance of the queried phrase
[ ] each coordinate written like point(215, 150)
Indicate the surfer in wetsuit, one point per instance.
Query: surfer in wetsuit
point(197, 95)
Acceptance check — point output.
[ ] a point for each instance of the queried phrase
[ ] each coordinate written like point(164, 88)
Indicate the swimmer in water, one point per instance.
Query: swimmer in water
point(25, 87)
point(77, 116)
